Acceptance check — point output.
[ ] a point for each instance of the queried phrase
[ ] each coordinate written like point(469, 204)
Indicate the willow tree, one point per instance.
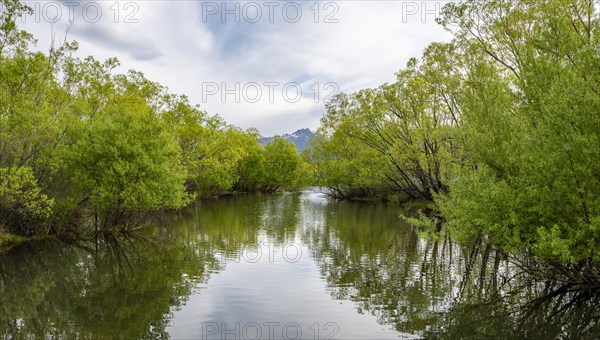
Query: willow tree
point(33, 118)
point(531, 130)
point(399, 137)
point(275, 166)
point(211, 149)
point(126, 164)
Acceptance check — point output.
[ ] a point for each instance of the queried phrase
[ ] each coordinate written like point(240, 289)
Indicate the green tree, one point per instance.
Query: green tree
point(21, 201)
point(531, 130)
point(272, 167)
point(211, 149)
point(13, 39)
point(126, 164)
point(398, 138)
point(345, 167)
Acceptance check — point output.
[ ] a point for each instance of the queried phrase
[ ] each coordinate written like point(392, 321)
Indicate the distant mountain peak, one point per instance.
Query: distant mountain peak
point(305, 131)
point(300, 137)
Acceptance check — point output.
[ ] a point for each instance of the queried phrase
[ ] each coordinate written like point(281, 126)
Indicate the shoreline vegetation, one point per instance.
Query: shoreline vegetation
point(84, 149)
point(499, 128)
point(494, 137)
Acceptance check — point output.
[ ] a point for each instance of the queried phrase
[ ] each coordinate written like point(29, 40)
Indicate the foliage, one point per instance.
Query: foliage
point(397, 138)
point(344, 167)
point(211, 149)
point(500, 127)
point(83, 148)
point(125, 162)
point(21, 200)
point(530, 126)
point(272, 167)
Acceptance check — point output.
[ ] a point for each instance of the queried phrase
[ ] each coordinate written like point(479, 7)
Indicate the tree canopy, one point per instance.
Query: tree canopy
point(83, 147)
point(500, 127)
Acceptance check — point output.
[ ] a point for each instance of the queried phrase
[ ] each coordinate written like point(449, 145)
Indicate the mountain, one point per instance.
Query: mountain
point(300, 138)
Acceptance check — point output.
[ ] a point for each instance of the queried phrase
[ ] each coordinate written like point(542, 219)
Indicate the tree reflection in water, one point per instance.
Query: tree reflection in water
point(130, 286)
point(436, 288)
point(120, 287)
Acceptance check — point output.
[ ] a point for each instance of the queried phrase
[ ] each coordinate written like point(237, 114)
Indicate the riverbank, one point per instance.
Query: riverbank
point(9, 241)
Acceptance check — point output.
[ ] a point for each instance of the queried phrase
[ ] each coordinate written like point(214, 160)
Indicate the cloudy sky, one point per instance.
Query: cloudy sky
point(264, 64)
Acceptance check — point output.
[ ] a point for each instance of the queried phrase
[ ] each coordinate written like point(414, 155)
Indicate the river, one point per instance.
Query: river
point(283, 266)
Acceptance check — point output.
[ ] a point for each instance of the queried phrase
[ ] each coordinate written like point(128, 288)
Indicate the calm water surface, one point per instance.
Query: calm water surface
point(287, 266)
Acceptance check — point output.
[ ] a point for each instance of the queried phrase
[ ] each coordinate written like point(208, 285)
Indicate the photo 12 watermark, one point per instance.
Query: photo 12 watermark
point(420, 10)
point(271, 252)
point(270, 11)
point(128, 12)
point(268, 331)
point(254, 92)
point(90, 12)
